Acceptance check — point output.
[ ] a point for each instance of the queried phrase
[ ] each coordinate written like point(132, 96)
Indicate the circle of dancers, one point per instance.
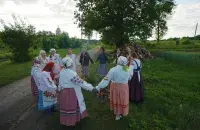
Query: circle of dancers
point(56, 81)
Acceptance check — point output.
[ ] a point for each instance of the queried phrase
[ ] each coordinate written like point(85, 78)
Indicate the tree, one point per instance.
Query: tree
point(160, 29)
point(58, 31)
point(18, 37)
point(119, 20)
point(163, 10)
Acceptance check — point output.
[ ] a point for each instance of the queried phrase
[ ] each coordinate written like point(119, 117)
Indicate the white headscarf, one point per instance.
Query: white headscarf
point(67, 62)
point(41, 51)
point(122, 61)
point(52, 49)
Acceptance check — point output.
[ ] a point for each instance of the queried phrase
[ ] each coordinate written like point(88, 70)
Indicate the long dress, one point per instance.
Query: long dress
point(103, 59)
point(47, 92)
point(136, 84)
point(35, 71)
point(119, 92)
point(73, 57)
point(72, 104)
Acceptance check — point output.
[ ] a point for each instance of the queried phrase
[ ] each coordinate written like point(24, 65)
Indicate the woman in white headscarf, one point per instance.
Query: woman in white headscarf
point(119, 91)
point(72, 104)
point(43, 59)
point(54, 57)
point(73, 57)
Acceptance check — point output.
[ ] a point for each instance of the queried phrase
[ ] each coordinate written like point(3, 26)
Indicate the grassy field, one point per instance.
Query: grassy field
point(187, 58)
point(172, 101)
point(11, 72)
point(171, 45)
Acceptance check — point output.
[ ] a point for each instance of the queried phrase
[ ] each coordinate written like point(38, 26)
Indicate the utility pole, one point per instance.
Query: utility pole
point(195, 32)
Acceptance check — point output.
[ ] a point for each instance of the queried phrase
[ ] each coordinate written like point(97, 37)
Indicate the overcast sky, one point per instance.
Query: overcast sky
point(48, 14)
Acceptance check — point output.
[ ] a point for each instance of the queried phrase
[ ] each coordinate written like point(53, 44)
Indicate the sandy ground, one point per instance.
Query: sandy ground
point(16, 109)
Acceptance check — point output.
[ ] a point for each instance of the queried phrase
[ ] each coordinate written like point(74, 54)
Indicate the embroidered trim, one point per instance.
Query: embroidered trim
point(118, 105)
point(48, 94)
point(70, 112)
point(77, 80)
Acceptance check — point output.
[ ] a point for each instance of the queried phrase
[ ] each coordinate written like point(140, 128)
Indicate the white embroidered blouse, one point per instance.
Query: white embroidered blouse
point(46, 82)
point(73, 57)
point(56, 59)
point(116, 75)
point(70, 79)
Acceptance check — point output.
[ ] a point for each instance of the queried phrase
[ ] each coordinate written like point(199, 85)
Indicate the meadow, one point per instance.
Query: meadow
point(172, 95)
point(172, 101)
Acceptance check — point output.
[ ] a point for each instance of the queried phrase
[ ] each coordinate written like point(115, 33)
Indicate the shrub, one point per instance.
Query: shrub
point(186, 41)
point(18, 38)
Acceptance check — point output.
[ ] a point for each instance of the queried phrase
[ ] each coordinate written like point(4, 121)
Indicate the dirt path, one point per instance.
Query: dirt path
point(16, 109)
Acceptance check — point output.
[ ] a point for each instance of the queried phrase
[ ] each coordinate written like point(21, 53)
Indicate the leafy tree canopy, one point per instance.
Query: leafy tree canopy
point(119, 20)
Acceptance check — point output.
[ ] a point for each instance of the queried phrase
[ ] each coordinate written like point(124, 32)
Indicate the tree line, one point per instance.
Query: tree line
point(21, 39)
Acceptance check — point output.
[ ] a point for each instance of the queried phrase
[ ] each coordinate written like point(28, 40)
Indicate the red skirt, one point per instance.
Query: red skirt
point(34, 87)
point(69, 108)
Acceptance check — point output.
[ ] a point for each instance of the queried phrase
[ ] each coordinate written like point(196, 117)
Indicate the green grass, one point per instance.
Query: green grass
point(172, 101)
point(189, 58)
point(171, 46)
point(11, 72)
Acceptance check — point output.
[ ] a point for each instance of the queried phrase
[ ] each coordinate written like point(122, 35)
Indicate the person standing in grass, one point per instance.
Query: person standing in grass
point(47, 89)
point(85, 60)
point(35, 71)
point(119, 91)
point(136, 84)
point(43, 58)
point(103, 59)
point(72, 104)
point(73, 57)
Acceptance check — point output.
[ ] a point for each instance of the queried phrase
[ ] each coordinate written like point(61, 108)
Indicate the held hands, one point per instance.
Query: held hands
point(95, 91)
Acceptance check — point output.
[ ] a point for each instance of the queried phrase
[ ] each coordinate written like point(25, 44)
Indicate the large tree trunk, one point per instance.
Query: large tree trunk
point(158, 32)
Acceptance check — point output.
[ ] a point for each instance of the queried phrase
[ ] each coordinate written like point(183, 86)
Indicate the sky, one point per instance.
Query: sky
point(49, 14)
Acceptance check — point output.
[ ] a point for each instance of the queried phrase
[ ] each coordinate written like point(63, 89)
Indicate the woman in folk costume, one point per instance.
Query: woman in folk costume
point(47, 89)
point(85, 60)
point(103, 59)
point(136, 84)
point(72, 104)
point(119, 91)
point(43, 58)
point(54, 57)
point(35, 71)
point(73, 57)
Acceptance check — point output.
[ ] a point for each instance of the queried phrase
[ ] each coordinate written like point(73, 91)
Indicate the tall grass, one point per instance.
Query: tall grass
point(189, 58)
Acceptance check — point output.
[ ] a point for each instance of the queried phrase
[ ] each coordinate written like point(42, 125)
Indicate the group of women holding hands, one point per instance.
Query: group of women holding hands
point(55, 80)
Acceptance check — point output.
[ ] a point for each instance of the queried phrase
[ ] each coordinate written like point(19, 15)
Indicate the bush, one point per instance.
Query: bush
point(151, 45)
point(18, 38)
point(186, 41)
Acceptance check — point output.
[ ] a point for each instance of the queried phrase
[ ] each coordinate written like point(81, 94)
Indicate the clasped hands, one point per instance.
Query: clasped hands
point(95, 91)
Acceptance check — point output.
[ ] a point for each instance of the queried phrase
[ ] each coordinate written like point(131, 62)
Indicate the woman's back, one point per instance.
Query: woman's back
point(119, 75)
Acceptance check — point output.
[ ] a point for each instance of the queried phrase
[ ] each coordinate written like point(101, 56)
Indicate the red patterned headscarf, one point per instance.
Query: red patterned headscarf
point(49, 68)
